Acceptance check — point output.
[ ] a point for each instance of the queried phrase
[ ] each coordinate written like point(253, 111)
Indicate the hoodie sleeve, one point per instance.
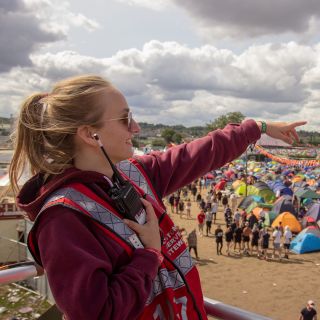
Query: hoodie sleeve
point(90, 275)
point(181, 165)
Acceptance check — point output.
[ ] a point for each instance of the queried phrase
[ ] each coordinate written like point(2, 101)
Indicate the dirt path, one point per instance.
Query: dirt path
point(271, 288)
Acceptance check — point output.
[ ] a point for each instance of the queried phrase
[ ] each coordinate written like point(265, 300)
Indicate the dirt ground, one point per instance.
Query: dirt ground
point(273, 288)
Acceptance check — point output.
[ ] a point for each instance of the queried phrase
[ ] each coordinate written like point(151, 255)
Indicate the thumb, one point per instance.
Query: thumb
point(286, 138)
point(132, 225)
point(151, 216)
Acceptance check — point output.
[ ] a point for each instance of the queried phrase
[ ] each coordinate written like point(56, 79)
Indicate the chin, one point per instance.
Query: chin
point(126, 155)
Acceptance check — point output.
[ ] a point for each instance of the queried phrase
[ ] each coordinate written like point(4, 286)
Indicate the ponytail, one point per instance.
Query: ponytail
point(47, 123)
point(27, 140)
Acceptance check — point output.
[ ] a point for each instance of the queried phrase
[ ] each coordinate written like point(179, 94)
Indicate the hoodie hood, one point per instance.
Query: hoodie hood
point(35, 191)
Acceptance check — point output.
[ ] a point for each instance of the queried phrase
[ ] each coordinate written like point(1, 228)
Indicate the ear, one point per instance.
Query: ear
point(85, 134)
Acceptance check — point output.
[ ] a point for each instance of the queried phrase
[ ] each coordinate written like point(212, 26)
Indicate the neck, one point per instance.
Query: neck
point(93, 162)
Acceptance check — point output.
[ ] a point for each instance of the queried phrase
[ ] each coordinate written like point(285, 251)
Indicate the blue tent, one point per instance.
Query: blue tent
point(286, 191)
point(284, 204)
point(306, 242)
point(276, 185)
point(314, 211)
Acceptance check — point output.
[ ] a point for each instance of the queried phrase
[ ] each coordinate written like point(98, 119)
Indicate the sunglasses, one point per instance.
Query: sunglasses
point(128, 121)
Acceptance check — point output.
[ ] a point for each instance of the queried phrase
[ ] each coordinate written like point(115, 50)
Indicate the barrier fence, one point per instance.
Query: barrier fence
point(216, 309)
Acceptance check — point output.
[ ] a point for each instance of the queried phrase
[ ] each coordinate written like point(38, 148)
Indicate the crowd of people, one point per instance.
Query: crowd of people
point(239, 230)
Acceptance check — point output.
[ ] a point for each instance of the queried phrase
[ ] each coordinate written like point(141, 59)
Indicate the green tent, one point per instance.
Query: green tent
point(266, 193)
point(255, 204)
point(269, 217)
point(307, 194)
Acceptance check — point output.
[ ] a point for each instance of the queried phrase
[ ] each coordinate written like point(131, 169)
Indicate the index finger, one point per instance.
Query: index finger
point(297, 124)
point(293, 130)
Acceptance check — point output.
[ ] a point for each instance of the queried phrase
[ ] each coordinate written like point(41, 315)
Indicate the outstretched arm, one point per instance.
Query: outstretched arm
point(285, 131)
point(183, 164)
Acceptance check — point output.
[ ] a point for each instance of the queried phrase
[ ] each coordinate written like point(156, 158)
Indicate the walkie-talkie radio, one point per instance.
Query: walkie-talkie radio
point(123, 194)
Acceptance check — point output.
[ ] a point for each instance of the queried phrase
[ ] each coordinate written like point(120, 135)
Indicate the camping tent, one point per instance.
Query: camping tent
point(260, 205)
point(306, 193)
point(311, 229)
point(221, 184)
point(257, 210)
point(257, 189)
point(283, 204)
point(308, 221)
point(314, 211)
point(269, 217)
point(236, 184)
point(247, 201)
point(307, 242)
point(287, 219)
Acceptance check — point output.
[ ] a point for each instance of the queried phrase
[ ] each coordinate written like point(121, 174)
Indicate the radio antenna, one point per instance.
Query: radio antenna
point(113, 167)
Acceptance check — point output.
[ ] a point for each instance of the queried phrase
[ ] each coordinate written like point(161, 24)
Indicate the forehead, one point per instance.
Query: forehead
point(114, 103)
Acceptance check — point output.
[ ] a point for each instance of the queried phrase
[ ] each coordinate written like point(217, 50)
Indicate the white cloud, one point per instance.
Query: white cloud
point(171, 83)
point(154, 4)
point(26, 26)
point(57, 15)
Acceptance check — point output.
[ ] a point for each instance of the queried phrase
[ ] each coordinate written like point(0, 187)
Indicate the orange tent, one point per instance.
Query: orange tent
point(256, 211)
point(287, 219)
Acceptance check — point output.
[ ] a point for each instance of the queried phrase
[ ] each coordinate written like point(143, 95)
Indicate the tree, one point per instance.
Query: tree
point(176, 138)
point(135, 142)
point(167, 134)
point(222, 121)
point(158, 143)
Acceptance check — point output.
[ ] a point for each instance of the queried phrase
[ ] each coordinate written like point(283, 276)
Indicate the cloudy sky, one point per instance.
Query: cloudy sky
point(176, 61)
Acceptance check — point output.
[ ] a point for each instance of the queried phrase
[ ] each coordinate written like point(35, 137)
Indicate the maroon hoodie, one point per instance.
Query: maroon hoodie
point(91, 276)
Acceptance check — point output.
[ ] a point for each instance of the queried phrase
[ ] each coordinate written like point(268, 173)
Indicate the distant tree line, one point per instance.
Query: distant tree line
point(179, 133)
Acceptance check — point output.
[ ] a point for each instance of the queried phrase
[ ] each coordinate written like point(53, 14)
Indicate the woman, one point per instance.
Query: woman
point(287, 240)
point(100, 265)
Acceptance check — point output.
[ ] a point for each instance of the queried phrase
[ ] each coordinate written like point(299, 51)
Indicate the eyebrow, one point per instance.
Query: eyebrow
point(124, 111)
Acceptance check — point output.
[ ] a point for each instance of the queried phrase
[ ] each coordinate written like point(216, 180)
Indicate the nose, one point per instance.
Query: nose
point(135, 128)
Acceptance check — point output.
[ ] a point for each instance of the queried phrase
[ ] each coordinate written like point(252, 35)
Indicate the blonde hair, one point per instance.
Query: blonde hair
point(47, 123)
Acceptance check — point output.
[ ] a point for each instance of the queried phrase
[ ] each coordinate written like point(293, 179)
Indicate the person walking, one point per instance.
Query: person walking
point(255, 240)
point(194, 191)
point(219, 239)
point(276, 236)
point(181, 208)
point(265, 236)
point(246, 233)
point(201, 218)
point(309, 312)
point(214, 209)
point(224, 201)
point(228, 215)
point(286, 241)
point(188, 208)
point(234, 202)
point(171, 202)
point(237, 216)
point(110, 248)
point(192, 242)
point(229, 236)
point(208, 221)
point(237, 235)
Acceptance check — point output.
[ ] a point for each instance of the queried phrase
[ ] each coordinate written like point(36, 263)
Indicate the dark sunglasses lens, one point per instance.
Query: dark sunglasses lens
point(129, 121)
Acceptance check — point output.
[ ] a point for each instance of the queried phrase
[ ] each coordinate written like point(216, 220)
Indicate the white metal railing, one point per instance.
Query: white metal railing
point(222, 311)
point(19, 272)
point(218, 310)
